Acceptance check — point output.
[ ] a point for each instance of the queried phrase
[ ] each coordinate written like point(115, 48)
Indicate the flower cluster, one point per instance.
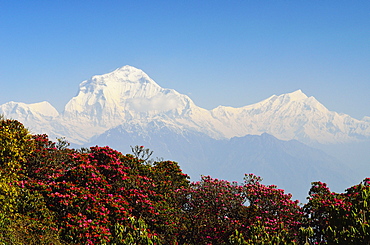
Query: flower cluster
point(278, 217)
point(339, 217)
point(92, 192)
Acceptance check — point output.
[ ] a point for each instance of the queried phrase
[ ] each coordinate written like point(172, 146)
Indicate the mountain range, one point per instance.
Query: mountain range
point(278, 137)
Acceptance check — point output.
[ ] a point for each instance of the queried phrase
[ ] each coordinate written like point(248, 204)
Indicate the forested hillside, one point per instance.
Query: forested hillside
point(52, 194)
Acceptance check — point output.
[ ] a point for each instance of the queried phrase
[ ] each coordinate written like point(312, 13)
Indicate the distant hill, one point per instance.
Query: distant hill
point(289, 164)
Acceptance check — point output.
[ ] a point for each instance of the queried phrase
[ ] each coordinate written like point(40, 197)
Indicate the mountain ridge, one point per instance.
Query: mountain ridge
point(129, 95)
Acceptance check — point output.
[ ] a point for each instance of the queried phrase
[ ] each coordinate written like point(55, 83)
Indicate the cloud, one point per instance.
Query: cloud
point(160, 103)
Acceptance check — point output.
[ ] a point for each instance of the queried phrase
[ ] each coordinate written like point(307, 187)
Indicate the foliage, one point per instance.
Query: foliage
point(136, 232)
point(97, 191)
point(212, 211)
point(339, 218)
point(14, 145)
point(24, 217)
point(273, 218)
point(217, 211)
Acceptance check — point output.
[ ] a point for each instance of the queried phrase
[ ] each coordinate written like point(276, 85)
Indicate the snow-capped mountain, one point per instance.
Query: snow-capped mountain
point(292, 116)
point(128, 96)
point(28, 112)
point(38, 117)
point(123, 95)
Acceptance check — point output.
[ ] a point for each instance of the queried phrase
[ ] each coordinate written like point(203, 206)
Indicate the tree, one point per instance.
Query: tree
point(212, 210)
point(19, 206)
point(15, 144)
point(273, 218)
point(96, 193)
point(339, 218)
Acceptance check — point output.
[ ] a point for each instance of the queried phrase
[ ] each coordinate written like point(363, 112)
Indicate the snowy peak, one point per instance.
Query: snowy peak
point(123, 83)
point(297, 95)
point(43, 109)
point(291, 116)
point(38, 117)
point(124, 95)
point(126, 76)
point(290, 102)
point(111, 91)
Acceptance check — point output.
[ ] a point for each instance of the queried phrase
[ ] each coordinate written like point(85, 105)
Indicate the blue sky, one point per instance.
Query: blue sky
point(231, 53)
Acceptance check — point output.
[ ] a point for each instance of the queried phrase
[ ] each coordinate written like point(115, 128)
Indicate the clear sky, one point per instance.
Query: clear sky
point(232, 53)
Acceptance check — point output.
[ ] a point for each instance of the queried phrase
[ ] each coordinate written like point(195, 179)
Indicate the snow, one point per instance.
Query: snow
point(366, 119)
point(42, 108)
point(297, 95)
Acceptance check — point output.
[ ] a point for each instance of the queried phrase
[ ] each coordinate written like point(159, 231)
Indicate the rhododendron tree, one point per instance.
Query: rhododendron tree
point(168, 179)
point(220, 212)
point(339, 218)
point(91, 193)
point(272, 215)
point(94, 191)
point(212, 211)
